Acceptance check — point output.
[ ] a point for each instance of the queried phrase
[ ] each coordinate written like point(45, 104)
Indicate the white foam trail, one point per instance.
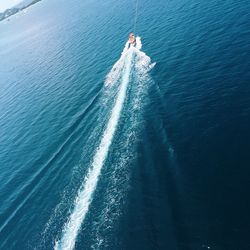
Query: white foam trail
point(84, 197)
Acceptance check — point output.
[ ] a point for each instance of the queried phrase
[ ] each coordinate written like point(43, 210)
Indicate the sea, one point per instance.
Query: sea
point(107, 148)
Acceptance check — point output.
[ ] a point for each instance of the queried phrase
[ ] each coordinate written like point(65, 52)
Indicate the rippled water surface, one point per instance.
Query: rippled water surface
point(149, 150)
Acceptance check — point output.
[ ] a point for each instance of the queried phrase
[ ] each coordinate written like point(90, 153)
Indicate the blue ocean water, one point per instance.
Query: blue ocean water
point(154, 159)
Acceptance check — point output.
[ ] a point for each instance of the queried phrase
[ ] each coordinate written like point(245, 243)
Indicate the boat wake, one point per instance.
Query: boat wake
point(132, 65)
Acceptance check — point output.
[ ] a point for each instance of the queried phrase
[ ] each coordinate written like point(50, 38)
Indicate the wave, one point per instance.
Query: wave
point(120, 74)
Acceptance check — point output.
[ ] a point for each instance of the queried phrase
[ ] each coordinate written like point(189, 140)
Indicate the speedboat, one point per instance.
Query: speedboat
point(133, 42)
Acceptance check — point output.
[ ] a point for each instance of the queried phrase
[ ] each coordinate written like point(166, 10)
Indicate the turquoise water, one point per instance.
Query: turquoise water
point(99, 151)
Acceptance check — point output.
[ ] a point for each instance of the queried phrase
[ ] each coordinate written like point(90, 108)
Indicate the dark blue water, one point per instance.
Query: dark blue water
point(176, 171)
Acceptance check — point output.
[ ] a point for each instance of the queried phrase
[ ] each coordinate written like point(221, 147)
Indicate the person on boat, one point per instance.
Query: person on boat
point(132, 40)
